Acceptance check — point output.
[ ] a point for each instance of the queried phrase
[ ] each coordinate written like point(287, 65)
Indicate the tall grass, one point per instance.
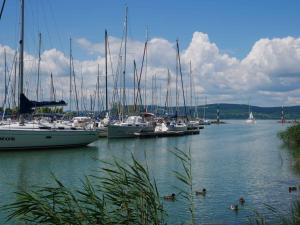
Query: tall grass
point(291, 136)
point(186, 178)
point(292, 218)
point(123, 194)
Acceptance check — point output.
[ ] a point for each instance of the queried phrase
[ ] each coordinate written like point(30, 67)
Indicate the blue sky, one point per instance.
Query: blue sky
point(234, 25)
point(239, 49)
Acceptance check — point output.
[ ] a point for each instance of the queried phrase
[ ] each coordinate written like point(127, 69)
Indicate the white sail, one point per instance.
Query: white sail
point(251, 118)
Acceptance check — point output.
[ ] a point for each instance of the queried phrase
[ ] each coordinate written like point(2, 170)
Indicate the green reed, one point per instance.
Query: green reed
point(123, 193)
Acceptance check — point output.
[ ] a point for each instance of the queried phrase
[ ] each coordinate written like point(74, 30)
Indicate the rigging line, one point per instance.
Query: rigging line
point(29, 37)
point(180, 71)
point(167, 94)
point(119, 64)
point(75, 88)
point(8, 84)
point(116, 94)
point(2, 8)
point(46, 23)
point(146, 69)
point(110, 57)
point(56, 27)
point(140, 76)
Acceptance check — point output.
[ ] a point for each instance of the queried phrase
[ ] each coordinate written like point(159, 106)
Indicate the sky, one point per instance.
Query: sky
point(240, 51)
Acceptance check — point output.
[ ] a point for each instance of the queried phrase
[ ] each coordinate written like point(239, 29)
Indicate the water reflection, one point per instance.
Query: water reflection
point(294, 154)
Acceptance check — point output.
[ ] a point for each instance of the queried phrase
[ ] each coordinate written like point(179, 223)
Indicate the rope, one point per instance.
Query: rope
point(2, 8)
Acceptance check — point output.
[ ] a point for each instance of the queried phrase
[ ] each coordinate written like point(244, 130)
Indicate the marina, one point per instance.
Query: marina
point(110, 126)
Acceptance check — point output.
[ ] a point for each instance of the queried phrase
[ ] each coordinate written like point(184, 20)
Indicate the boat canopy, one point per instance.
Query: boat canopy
point(27, 106)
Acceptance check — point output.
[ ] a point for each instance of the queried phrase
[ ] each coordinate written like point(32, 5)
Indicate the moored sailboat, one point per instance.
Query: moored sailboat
point(29, 135)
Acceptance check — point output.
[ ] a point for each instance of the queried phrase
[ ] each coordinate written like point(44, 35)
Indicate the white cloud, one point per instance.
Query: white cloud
point(269, 74)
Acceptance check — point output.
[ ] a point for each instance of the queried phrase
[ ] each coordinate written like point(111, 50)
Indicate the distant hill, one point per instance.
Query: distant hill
point(227, 111)
point(238, 111)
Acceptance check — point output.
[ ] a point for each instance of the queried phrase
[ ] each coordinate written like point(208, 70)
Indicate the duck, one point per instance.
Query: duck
point(292, 189)
point(234, 207)
point(242, 200)
point(203, 192)
point(170, 197)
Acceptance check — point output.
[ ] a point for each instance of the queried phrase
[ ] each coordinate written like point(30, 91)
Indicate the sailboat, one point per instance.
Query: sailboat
point(251, 119)
point(133, 124)
point(102, 125)
point(37, 135)
point(178, 125)
point(192, 124)
point(204, 121)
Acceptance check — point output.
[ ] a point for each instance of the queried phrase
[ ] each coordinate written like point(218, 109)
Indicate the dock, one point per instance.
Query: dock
point(165, 133)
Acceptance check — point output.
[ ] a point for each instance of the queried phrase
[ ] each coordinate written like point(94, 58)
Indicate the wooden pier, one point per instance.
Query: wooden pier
point(165, 133)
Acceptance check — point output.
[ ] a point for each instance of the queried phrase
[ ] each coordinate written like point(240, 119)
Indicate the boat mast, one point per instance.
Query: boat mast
point(5, 80)
point(97, 89)
point(146, 64)
point(134, 81)
point(70, 88)
point(167, 94)
point(124, 71)
point(249, 106)
point(52, 90)
point(176, 91)
point(106, 94)
point(191, 89)
point(38, 69)
point(204, 108)
point(181, 78)
point(21, 53)
point(15, 83)
point(152, 92)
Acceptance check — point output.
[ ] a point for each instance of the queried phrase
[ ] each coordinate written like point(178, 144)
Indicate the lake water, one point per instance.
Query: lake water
point(229, 160)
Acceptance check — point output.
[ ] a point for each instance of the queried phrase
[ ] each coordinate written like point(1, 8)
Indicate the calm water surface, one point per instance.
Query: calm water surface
point(230, 161)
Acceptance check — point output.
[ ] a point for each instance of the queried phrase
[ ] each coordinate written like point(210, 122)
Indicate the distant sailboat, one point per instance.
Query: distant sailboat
point(251, 119)
point(282, 115)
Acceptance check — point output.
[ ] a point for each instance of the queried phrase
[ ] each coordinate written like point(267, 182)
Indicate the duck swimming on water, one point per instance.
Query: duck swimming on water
point(234, 207)
point(292, 189)
point(170, 197)
point(203, 192)
point(242, 200)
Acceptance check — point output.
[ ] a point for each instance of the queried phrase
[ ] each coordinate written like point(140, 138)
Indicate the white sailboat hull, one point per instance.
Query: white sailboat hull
point(102, 131)
point(250, 121)
point(177, 127)
point(119, 131)
point(37, 138)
